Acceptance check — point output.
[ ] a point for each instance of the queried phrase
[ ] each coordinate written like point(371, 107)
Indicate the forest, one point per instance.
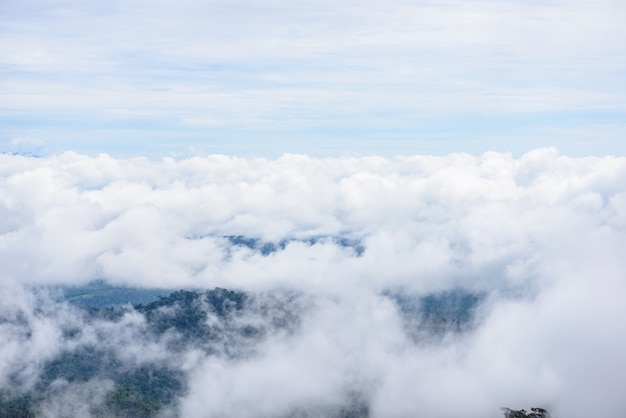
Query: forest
point(219, 322)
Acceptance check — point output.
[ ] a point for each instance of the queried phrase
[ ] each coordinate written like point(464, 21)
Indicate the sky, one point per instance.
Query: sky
point(343, 78)
point(542, 237)
point(459, 144)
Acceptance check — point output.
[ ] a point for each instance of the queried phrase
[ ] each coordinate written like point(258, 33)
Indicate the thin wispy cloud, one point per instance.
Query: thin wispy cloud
point(246, 77)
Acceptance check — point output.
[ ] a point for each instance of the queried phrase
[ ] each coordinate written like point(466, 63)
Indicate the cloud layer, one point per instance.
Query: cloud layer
point(318, 77)
point(541, 237)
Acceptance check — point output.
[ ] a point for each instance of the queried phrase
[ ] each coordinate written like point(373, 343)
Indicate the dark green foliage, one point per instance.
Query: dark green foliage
point(453, 308)
point(128, 402)
point(225, 301)
point(221, 301)
point(144, 391)
point(267, 248)
point(155, 383)
point(80, 365)
point(19, 406)
point(213, 321)
point(221, 322)
point(186, 313)
point(139, 392)
point(437, 313)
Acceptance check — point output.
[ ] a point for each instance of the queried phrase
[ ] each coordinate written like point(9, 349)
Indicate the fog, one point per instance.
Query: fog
point(541, 238)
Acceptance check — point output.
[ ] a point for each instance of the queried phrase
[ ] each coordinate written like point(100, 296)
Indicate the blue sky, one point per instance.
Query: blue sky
point(263, 78)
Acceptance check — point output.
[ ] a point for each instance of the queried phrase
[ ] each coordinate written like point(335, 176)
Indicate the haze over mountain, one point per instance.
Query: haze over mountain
point(255, 208)
point(408, 286)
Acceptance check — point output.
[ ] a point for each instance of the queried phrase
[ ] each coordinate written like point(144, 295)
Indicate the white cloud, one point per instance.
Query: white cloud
point(542, 236)
point(74, 217)
point(198, 69)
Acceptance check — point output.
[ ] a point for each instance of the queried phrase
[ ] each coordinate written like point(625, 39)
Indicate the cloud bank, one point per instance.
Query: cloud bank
point(541, 238)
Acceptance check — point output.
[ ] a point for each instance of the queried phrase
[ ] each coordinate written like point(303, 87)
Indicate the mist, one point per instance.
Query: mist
point(334, 254)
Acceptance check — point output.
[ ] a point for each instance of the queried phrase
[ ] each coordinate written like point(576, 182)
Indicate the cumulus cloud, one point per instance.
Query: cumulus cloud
point(539, 238)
